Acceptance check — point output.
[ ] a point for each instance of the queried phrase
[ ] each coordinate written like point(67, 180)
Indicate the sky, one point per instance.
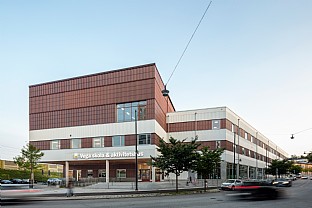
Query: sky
point(252, 56)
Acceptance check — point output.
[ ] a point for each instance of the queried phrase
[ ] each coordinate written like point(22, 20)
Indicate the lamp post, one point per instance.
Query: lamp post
point(238, 160)
point(136, 150)
point(256, 155)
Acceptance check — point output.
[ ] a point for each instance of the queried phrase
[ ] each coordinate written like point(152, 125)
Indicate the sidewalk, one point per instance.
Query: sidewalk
point(119, 190)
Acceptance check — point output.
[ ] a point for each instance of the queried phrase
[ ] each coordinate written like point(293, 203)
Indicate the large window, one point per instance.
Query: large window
point(126, 111)
point(55, 144)
point(145, 139)
point(118, 141)
point(98, 142)
point(76, 143)
point(121, 173)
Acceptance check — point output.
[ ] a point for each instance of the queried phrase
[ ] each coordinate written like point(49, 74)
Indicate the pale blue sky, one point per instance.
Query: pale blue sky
point(251, 56)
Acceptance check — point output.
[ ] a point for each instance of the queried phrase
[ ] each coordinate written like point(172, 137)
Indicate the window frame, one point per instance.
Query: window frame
point(121, 141)
point(72, 143)
point(216, 121)
point(58, 144)
point(101, 142)
point(118, 173)
point(147, 139)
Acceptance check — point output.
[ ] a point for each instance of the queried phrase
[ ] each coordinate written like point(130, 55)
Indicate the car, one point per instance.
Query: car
point(304, 177)
point(16, 180)
point(25, 181)
point(54, 181)
point(285, 182)
point(6, 182)
point(231, 184)
point(257, 189)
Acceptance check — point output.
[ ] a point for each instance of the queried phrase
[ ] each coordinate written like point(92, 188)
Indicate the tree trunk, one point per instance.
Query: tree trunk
point(205, 185)
point(177, 189)
point(31, 183)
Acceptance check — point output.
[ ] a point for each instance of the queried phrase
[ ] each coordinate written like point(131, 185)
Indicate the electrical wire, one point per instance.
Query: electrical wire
point(188, 42)
point(302, 131)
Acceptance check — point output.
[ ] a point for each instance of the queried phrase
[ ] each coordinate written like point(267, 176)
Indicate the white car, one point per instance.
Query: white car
point(230, 184)
point(54, 181)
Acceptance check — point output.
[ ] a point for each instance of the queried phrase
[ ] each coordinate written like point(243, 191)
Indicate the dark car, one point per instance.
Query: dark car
point(6, 182)
point(285, 182)
point(16, 181)
point(257, 190)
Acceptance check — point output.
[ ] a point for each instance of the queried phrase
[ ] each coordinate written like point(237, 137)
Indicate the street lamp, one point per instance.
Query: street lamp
point(136, 150)
point(292, 135)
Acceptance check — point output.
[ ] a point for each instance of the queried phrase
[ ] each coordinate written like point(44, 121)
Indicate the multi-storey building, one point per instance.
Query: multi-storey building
point(89, 124)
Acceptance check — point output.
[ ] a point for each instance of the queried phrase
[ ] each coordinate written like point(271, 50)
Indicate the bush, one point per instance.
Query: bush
point(24, 174)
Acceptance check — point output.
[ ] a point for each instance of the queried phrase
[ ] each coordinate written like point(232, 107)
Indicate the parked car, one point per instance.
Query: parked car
point(16, 180)
point(54, 181)
point(6, 182)
point(231, 184)
point(282, 182)
point(304, 177)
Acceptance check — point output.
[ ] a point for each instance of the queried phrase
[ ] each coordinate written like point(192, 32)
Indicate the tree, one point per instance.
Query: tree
point(176, 156)
point(295, 169)
point(309, 157)
point(279, 167)
point(207, 162)
point(28, 160)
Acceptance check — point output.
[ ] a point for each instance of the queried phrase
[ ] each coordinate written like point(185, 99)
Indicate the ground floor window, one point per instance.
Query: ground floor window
point(102, 173)
point(90, 173)
point(229, 170)
point(121, 173)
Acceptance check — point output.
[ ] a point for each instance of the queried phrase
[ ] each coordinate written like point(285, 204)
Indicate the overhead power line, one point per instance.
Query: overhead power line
point(188, 43)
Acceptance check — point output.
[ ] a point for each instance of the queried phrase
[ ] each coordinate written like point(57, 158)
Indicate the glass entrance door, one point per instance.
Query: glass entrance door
point(145, 174)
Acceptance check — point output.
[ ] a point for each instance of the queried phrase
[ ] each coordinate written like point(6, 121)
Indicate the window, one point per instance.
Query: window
point(55, 144)
point(90, 173)
point(232, 127)
point(251, 139)
point(127, 111)
point(118, 141)
point(246, 135)
point(243, 151)
point(76, 143)
point(121, 173)
point(215, 124)
point(145, 139)
point(98, 142)
point(218, 144)
point(102, 173)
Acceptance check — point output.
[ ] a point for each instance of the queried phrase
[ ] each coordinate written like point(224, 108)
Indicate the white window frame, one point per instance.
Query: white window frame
point(72, 143)
point(121, 141)
point(101, 142)
point(118, 171)
point(58, 144)
point(216, 124)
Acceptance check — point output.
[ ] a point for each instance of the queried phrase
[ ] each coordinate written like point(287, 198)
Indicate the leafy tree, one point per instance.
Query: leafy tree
point(279, 167)
point(295, 169)
point(28, 160)
point(176, 156)
point(207, 162)
point(309, 157)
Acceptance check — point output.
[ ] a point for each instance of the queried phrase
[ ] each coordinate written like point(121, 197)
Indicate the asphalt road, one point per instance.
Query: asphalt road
point(299, 195)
